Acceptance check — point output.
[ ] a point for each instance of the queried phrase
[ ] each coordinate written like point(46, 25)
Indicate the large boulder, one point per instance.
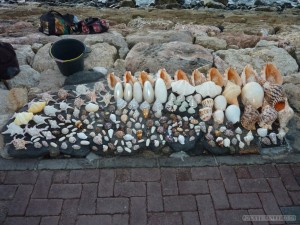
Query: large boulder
point(43, 61)
point(25, 54)
point(293, 39)
point(27, 78)
point(159, 36)
point(211, 42)
point(172, 56)
point(57, 80)
point(240, 40)
point(197, 29)
point(291, 87)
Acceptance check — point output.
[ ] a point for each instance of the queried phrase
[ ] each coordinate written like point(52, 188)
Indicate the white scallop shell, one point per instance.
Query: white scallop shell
point(233, 113)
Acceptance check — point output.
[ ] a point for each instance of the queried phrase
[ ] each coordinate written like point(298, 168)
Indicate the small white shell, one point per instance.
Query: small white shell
point(226, 142)
point(233, 113)
point(72, 139)
point(84, 142)
point(113, 118)
point(128, 137)
point(218, 116)
point(50, 110)
point(238, 130)
point(273, 138)
point(110, 133)
point(65, 131)
point(181, 139)
point(64, 145)
point(262, 132)
point(92, 107)
point(220, 102)
point(82, 136)
point(249, 137)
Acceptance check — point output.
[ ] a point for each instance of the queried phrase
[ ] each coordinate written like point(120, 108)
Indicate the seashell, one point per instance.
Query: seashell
point(205, 113)
point(143, 77)
point(180, 75)
point(157, 106)
point(266, 141)
point(50, 111)
point(64, 106)
point(285, 115)
point(110, 133)
point(23, 118)
point(19, 143)
point(128, 78)
point(271, 74)
point(182, 108)
point(45, 144)
point(148, 92)
point(220, 141)
point(226, 142)
point(267, 117)
point(181, 139)
point(61, 118)
point(220, 102)
point(231, 92)
point(250, 117)
point(208, 102)
point(241, 145)
point(146, 113)
point(81, 90)
point(137, 92)
point(106, 98)
point(65, 131)
point(234, 141)
point(273, 138)
point(124, 118)
point(13, 129)
point(248, 138)
point(253, 94)
point(208, 89)
point(262, 132)
point(191, 110)
point(99, 87)
point(218, 116)
point(112, 80)
point(39, 119)
point(46, 97)
point(98, 139)
point(82, 136)
point(275, 96)
point(64, 145)
point(78, 124)
point(248, 75)
point(37, 145)
point(76, 147)
point(160, 90)
point(232, 76)
point(158, 114)
point(76, 112)
point(197, 78)
point(171, 97)
point(121, 104)
point(48, 135)
point(179, 100)
point(113, 118)
point(36, 107)
point(53, 124)
point(162, 73)
point(128, 137)
point(215, 76)
point(233, 113)
point(182, 87)
point(92, 107)
point(118, 91)
point(145, 105)
point(84, 142)
point(62, 94)
point(128, 92)
point(133, 104)
point(281, 134)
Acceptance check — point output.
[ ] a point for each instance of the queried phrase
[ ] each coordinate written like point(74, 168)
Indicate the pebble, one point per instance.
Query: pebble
point(76, 147)
point(124, 118)
point(119, 134)
point(84, 142)
point(129, 124)
point(138, 126)
point(62, 139)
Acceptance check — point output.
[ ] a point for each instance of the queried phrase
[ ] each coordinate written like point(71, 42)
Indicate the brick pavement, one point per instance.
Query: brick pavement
point(153, 196)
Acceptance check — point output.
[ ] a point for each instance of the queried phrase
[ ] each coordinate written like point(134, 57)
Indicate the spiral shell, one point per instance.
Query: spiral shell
point(267, 117)
point(205, 113)
point(23, 118)
point(231, 92)
point(232, 76)
point(275, 96)
point(250, 117)
point(36, 107)
point(208, 102)
point(197, 78)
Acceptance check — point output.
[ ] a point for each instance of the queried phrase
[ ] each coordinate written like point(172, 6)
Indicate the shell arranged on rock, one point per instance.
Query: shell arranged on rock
point(250, 117)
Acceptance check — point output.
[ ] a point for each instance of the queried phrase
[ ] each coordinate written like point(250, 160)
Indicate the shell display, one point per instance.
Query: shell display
point(285, 115)
point(248, 75)
point(231, 93)
point(36, 107)
point(233, 113)
point(215, 76)
point(197, 78)
point(23, 118)
point(250, 117)
point(143, 77)
point(162, 73)
point(180, 75)
point(208, 89)
point(128, 78)
point(182, 87)
point(267, 117)
point(112, 80)
point(253, 94)
point(271, 74)
point(232, 76)
point(275, 96)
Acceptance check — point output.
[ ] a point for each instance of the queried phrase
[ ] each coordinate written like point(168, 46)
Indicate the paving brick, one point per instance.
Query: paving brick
point(232, 217)
point(288, 178)
point(184, 174)
point(7, 191)
point(180, 203)
point(257, 212)
point(138, 213)
point(230, 180)
point(50, 220)
point(130, 189)
point(295, 169)
point(193, 187)
point(164, 219)
point(169, 181)
point(21, 177)
point(87, 203)
point(65, 191)
point(84, 176)
point(122, 175)
point(61, 176)
point(205, 173)
point(2, 176)
point(44, 207)
point(206, 210)
point(218, 194)
point(69, 212)
point(120, 219)
point(263, 171)
point(18, 205)
point(244, 201)
point(94, 220)
point(190, 218)
point(145, 174)
point(279, 192)
point(22, 221)
point(42, 185)
point(254, 185)
point(295, 195)
point(112, 205)
point(242, 172)
point(106, 183)
point(270, 205)
point(154, 197)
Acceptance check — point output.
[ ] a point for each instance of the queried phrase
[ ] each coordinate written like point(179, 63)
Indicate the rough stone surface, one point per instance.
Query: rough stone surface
point(292, 89)
point(83, 77)
point(197, 29)
point(240, 39)
point(171, 55)
point(17, 98)
point(3, 101)
point(141, 24)
point(211, 42)
point(25, 54)
point(27, 78)
point(57, 80)
point(43, 61)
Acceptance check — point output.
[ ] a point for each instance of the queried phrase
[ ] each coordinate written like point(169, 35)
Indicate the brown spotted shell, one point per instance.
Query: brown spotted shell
point(267, 117)
point(250, 117)
point(205, 113)
point(275, 96)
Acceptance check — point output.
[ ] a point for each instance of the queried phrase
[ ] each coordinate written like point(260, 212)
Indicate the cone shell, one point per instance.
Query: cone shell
point(180, 75)
point(36, 107)
point(112, 80)
point(162, 73)
point(197, 78)
point(23, 118)
point(250, 117)
point(248, 75)
point(275, 96)
point(215, 76)
point(271, 74)
point(267, 117)
point(233, 76)
point(208, 102)
point(144, 76)
point(231, 92)
point(128, 78)
point(285, 115)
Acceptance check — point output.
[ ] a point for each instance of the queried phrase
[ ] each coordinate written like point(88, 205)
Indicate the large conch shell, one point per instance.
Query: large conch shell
point(253, 93)
point(112, 80)
point(248, 74)
point(182, 87)
point(144, 76)
point(215, 76)
point(231, 92)
point(275, 96)
point(162, 73)
point(250, 117)
point(208, 89)
point(233, 76)
point(197, 78)
point(285, 115)
point(128, 78)
point(23, 118)
point(180, 75)
point(36, 107)
point(271, 74)
point(268, 116)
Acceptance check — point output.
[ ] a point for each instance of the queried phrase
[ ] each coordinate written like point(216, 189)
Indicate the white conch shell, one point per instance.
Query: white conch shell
point(285, 115)
point(182, 87)
point(39, 119)
point(137, 92)
point(133, 104)
point(218, 116)
point(249, 137)
point(220, 102)
point(121, 104)
point(161, 90)
point(128, 92)
point(233, 113)
point(118, 91)
point(231, 92)
point(50, 110)
point(273, 138)
point(208, 89)
point(128, 78)
point(148, 92)
point(181, 139)
point(262, 132)
point(23, 118)
point(92, 107)
point(13, 129)
point(253, 94)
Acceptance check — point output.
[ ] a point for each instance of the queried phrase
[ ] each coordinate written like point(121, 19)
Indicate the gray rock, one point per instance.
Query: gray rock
point(36, 46)
point(293, 39)
point(57, 80)
point(159, 36)
point(100, 69)
point(211, 42)
point(179, 155)
point(198, 30)
point(25, 54)
point(27, 78)
point(213, 4)
point(3, 102)
point(144, 2)
point(43, 61)
point(259, 29)
point(172, 55)
point(292, 89)
point(119, 67)
point(83, 77)
point(143, 24)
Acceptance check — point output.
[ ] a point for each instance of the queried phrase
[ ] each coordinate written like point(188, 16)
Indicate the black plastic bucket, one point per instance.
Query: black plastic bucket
point(68, 55)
